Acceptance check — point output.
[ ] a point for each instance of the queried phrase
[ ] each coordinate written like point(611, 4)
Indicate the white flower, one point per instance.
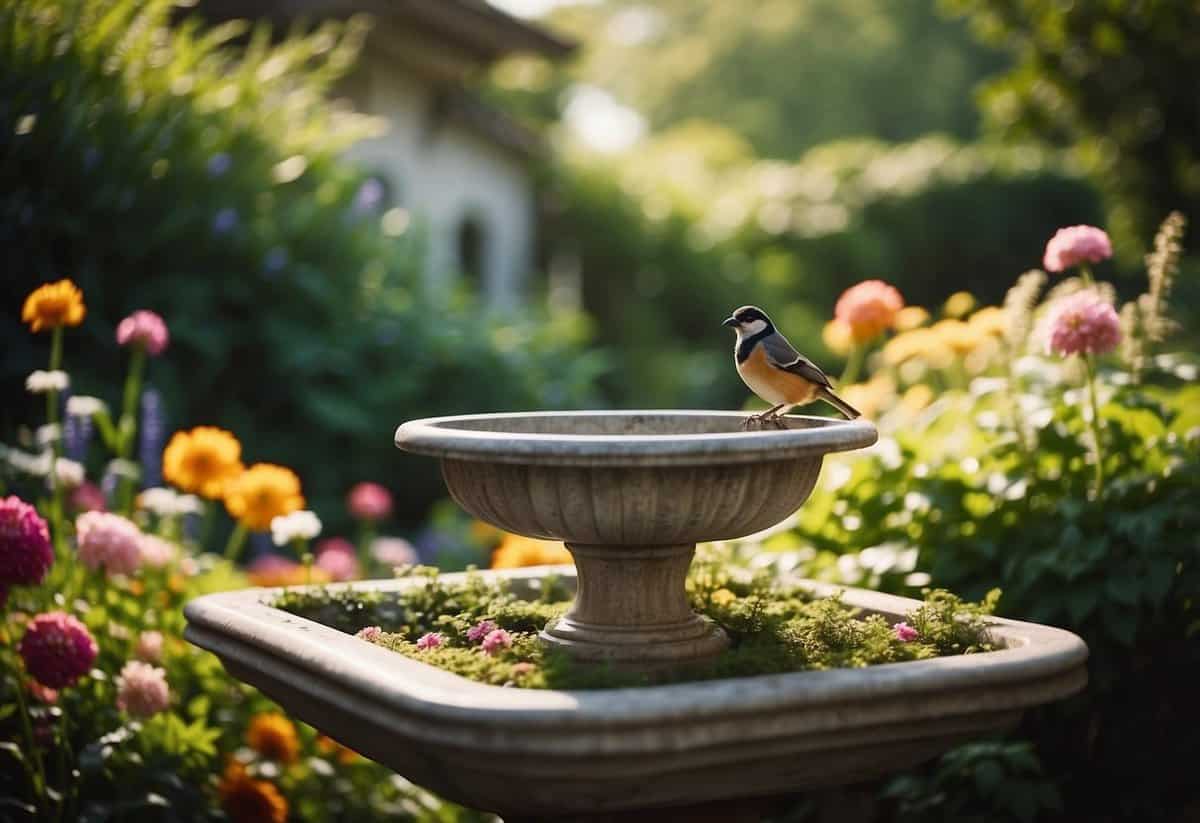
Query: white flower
point(303, 525)
point(68, 472)
point(393, 551)
point(35, 464)
point(124, 468)
point(82, 405)
point(159, 501)
point(48, 434)
point(188, 504)
point(41, 382)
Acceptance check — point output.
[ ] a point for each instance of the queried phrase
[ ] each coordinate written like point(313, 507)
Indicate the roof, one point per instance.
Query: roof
point(485, 31)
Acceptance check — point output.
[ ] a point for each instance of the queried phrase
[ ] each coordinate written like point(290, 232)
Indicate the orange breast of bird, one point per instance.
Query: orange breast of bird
point(772, 384)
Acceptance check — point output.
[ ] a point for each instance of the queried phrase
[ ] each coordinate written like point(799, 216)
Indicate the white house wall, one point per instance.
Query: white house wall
point(446, 176)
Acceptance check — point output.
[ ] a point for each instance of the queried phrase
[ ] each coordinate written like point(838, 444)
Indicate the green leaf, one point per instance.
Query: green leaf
point(1123, 588)
point(988, 777)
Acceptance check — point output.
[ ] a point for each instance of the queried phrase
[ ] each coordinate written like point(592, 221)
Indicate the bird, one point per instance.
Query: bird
point(775, 371)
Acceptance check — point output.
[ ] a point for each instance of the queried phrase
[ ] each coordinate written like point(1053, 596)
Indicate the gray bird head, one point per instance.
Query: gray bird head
point(748, 320)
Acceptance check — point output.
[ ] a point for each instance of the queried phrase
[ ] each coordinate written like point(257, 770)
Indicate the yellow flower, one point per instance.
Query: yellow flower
point(871, 397)
point(911, 317)
point(52, 305)
point(274, 737)
point(261, 493)
point(917, 397)
point(837, 337)
point(959, 304)
point(202, 461)
point(907, 345)
point(723, 597)
point(956, 335)
point(246, 800)
point(516, 551)
point(990, 320)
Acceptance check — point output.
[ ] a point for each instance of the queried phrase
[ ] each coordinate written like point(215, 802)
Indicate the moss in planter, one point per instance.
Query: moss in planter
point(774, 628)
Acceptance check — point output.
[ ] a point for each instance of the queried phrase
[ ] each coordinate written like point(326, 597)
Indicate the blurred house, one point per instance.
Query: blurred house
point(450, 167)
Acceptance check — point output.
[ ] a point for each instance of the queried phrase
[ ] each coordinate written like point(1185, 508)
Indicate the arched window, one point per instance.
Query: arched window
point(472, 250)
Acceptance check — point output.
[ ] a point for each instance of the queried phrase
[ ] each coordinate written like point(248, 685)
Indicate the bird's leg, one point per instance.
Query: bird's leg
point(762, 418)
point(778, 413)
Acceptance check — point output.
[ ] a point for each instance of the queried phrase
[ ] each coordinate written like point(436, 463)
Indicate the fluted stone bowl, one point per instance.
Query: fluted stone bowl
point(631, 493)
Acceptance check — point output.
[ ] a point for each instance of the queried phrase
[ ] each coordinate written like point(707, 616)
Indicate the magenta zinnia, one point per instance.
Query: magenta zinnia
point(109, 541)
point(25, 552)
point(57, 649)
point(1083, 323)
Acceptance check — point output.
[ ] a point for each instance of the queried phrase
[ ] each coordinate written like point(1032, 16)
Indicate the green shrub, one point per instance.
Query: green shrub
point(195, 171)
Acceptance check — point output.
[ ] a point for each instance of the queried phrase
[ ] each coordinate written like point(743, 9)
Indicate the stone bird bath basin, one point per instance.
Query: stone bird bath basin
point(631, 493)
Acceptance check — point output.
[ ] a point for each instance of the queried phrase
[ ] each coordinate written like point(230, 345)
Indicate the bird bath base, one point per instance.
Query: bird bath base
point(631, 609)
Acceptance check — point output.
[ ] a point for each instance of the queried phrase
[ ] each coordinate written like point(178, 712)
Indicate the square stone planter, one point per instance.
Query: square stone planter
point(525, 752)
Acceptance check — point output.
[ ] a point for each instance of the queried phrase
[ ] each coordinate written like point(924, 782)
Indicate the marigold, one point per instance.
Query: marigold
point(274, 737)
point(52, 305)
point(261, 493)
point(868, 308)
point(990, 320)
point(246, 800)
point(911, 317)
point(329, 746)
point(516, 551)
point(836, 337)
point(203, 461)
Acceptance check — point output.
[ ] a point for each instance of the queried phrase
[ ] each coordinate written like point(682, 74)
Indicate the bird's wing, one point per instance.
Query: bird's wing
point(781, 355)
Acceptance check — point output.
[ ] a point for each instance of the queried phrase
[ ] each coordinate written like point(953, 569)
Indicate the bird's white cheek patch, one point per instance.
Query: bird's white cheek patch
point(753, 327)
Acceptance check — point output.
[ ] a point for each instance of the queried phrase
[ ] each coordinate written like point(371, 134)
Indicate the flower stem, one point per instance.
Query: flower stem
point(206, 523)
point(35, 769)
point(1085, 271)
point(1094, 423)
point(56, 490)
point(853, 365)
point(236, 539)
point(127, 427)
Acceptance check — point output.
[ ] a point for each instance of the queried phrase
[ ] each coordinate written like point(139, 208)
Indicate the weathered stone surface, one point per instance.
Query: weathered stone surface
point(531, 752)
point(631, 493)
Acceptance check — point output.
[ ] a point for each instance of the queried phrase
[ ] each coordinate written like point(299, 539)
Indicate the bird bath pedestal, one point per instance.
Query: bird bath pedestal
point(631, 493)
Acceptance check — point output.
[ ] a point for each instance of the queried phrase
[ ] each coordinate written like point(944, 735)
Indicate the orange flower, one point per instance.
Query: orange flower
point(246, 800)
point(516, 551)
point(274, 737)
point(869, 309)
point(52, 305)
point(327, 745)
point(273, 570)
point(261, 493)
point(202, 461)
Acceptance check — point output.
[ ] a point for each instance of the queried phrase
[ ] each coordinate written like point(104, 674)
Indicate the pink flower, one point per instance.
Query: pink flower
point(369, 501)
point(1083, 323)
point(393, 551)
point(429, 641)
point(142, 689)
point(480, 631)
point(1074, 245)
point(157, 552)
point(519, 669)
point(87, 497)
point(495, 641)
point(149, 647)
point(25, 552)
point(145, 328)
point(369, 633)
point(905, 633)
point(57, 649)
point(868, 309)
point(336, 556)
point(109, 541)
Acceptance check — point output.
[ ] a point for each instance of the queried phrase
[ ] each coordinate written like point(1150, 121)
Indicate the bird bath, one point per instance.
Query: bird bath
point(631, 493)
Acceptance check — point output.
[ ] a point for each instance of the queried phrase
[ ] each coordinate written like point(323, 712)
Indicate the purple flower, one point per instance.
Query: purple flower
point(905, 633)
point(25, 552)
point(1083, 323)
point(225, 221)
point(151, 435)
point(369, 196)
point(57, 649)
point(219, 163)
point(77, 435)
point(495, 641)
point(1074, 245)
point(477, 633)
point(144, 328)
point(429, 641)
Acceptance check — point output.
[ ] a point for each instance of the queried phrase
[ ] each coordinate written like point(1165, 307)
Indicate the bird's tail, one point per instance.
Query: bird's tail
point(839, 404)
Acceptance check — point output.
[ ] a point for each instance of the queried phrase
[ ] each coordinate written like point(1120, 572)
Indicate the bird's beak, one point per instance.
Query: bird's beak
point(731, 322)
